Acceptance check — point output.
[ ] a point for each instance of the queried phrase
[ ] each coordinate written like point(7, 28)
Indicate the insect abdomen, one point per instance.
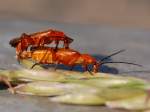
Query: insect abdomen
point(43, 56)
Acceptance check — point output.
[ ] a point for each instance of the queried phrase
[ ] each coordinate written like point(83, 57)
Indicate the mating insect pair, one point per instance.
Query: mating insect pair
point(39, 39)
point(46, 55)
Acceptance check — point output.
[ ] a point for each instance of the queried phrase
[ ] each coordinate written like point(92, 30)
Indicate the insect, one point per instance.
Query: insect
point(67, 57)
point(5, 80)
point(39, 39)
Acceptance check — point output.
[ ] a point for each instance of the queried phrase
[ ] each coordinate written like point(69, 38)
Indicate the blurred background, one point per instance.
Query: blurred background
point(98, 27)
point(133, 13)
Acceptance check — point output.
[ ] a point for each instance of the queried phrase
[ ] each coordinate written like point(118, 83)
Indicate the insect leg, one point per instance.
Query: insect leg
point(90, 72)
point(57, 43)
point(40, 60)
point(66, 44)
point(87, 69)
point(34, 65)
point(72, 67)
point(56, 65)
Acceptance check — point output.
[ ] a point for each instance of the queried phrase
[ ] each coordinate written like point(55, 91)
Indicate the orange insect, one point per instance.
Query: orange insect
point(67, 57)
point(39, 39)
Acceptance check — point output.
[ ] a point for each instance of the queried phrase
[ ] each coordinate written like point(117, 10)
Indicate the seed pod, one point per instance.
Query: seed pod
point(134, 103)
point(43, 88)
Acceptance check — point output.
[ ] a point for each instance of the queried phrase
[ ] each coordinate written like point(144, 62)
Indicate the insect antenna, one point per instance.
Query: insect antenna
point(107, 57)
point(121, 62)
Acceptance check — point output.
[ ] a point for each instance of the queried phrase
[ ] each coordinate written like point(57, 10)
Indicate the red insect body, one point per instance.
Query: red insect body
point(67, 57)
point(40, 39)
